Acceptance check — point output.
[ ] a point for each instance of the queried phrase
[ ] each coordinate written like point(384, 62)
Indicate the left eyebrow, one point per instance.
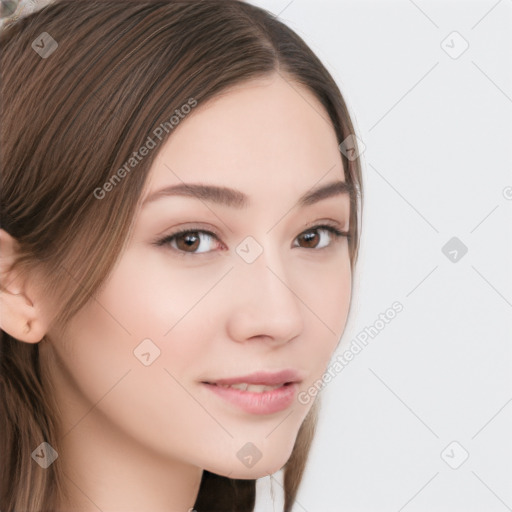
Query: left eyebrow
point(237, 199)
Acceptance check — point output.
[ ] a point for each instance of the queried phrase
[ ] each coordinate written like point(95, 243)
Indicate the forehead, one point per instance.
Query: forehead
point(262, 136)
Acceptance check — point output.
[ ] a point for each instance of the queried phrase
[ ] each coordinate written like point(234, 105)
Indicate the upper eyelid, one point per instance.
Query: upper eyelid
point(219, 235)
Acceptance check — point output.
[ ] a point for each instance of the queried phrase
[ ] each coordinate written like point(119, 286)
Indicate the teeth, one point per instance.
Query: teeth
point(251, 388)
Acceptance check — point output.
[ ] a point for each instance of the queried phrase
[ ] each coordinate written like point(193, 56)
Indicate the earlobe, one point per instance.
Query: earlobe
point(19, 317)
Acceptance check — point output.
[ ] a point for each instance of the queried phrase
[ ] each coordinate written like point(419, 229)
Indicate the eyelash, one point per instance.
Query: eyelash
point(166, 241)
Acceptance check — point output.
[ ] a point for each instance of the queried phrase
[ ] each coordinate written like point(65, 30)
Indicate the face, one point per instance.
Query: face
point(256, 281)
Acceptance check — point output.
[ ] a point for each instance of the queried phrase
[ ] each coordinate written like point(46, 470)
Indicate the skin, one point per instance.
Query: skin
point(138, 437)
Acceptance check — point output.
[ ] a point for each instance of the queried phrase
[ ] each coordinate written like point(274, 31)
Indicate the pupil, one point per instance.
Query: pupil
point(309, 238)
point(191, 241)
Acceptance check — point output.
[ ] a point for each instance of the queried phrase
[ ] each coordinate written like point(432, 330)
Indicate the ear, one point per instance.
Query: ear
point(21, 314)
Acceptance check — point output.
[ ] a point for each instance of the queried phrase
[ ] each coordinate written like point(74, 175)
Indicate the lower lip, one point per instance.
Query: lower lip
point(267, 402)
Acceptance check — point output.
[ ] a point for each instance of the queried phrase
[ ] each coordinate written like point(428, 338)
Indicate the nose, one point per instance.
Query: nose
point(264, 303)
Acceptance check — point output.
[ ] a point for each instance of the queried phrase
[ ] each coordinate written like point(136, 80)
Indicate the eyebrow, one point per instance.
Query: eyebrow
point(237, 199)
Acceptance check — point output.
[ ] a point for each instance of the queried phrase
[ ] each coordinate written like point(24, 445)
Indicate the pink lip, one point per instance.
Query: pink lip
point(264, 378)
point(267, 402)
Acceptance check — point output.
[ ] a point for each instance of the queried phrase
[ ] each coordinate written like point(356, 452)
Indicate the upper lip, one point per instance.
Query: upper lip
point(264, 378)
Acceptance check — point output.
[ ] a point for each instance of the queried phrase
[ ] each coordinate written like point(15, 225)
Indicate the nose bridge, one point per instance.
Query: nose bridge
point(265, 302)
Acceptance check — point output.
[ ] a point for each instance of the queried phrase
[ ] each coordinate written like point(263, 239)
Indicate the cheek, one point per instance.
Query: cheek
point(136, 327)
point(327, 293)
point(103, 378)
point(153, 298)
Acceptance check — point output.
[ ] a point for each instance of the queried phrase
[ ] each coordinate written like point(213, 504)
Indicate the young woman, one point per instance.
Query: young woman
point(179, 231)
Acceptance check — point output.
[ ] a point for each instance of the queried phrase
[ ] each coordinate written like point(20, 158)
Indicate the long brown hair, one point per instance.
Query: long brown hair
point(70, 119)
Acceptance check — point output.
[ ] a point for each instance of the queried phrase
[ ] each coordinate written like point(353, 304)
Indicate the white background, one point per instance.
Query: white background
point(437, 164)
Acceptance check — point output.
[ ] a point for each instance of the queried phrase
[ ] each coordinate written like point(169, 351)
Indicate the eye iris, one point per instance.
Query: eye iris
point(310, 237)
point(191, 241)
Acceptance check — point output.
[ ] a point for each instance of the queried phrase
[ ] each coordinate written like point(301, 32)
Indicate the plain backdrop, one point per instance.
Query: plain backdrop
point(421, 419)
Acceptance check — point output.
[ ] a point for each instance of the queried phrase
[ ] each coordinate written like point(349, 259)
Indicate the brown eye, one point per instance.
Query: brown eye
point(188, 241)
point(320, 237)
point(310, 239)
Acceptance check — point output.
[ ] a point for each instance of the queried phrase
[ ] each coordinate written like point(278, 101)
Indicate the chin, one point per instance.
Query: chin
point(258, 471)
point(252, 470)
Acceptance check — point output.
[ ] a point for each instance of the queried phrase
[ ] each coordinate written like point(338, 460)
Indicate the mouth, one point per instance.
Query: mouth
point(250, 388)
point(259, 382)
point(258, 393)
